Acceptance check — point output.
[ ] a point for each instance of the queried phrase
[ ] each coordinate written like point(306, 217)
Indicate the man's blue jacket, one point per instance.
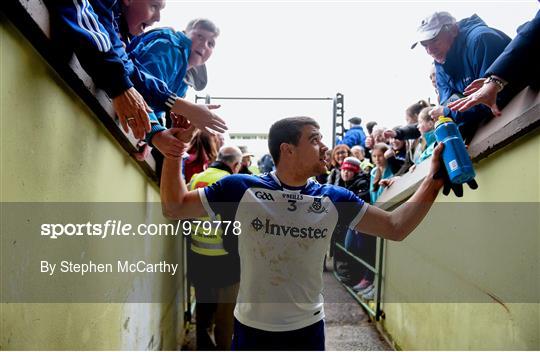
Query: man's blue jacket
point(354, 136)
point(473, 51)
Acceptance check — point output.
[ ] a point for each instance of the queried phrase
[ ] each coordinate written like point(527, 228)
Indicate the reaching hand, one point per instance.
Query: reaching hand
point(200, 116)
point(478, 93)
point(389, 134)
point(436, 112)
point(389, 153)
point(439, 173)
point(184, 135)
point(132, 111)
point(179, 121)
point(387, 182)
point(167, 143)
point(474, 86)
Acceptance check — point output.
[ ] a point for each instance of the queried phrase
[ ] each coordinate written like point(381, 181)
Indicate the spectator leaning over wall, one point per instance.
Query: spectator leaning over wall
point(168, 55)
point(518, 66)
point(91, 28)
point(462, 52)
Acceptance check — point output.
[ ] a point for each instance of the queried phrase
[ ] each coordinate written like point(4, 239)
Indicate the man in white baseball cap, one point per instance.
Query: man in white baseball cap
point(462, 51)
point(437, 33)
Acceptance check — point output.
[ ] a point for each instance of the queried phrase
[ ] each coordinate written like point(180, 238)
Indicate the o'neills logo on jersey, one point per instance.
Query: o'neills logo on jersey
point(292, 196)
point(293, 231)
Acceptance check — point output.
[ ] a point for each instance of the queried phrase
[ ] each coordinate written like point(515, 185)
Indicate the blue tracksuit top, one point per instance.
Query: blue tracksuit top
point(473, 51)
point(92, 30)
point(163, 53)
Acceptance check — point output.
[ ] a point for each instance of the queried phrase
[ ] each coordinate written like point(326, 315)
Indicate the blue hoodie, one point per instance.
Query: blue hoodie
point(163, 53)
point(473, 51)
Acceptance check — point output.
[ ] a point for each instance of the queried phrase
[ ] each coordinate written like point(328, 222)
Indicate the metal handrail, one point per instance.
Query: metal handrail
point(377, 313)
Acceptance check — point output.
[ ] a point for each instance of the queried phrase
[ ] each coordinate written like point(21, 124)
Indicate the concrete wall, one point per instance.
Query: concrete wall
point(468, 277)
point(55, 150)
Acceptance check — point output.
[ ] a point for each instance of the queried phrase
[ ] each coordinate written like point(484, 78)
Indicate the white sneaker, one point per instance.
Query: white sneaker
point(366, 290)
point(369, 296)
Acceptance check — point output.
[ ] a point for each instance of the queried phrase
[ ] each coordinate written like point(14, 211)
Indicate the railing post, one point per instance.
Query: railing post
point(338, 116)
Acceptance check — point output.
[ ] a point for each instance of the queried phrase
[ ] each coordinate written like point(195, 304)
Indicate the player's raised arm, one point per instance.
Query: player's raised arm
point(398, 224)
point(176, 201)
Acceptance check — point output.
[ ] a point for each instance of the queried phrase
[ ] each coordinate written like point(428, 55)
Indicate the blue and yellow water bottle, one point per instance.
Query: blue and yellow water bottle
point(455, 156)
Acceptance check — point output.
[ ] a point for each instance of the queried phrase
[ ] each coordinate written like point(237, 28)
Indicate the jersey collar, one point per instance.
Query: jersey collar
point(298, 189)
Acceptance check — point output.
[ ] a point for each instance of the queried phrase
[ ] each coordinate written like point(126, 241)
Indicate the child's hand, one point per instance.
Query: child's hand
point(387, 182)
point(201, 116)
point(179, 121)
point(389, 134)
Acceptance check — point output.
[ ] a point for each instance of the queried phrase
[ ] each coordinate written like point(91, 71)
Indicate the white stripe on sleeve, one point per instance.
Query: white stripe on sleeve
point(81, 15)
point(93, 19)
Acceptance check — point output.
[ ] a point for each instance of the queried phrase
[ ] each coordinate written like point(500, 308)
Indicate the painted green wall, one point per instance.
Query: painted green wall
point(466, 256)
point(55, 150)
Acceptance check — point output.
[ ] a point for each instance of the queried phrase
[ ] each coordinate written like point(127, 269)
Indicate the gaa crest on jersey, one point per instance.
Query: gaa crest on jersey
point(316, 206)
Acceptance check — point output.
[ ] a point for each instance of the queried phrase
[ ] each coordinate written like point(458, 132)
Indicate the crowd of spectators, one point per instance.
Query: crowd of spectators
point(475, 73)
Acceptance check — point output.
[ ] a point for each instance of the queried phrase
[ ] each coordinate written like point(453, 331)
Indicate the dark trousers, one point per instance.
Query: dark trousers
point(310, 338)
point(214, 311)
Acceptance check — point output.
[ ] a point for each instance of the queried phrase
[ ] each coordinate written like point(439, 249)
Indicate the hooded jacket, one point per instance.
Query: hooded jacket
point(164, 54)
point(474, 49)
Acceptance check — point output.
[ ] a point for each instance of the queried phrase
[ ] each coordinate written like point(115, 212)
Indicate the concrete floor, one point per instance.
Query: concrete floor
point(348, 327)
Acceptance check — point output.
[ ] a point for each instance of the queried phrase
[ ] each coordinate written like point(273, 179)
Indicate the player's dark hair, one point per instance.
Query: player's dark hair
point(287, 130)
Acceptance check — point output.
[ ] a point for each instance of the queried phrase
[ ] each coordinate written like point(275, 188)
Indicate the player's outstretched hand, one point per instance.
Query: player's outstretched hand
point(438, 170)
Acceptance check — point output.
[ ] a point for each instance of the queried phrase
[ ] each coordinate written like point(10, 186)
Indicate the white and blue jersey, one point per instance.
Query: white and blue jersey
point(285, 233)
